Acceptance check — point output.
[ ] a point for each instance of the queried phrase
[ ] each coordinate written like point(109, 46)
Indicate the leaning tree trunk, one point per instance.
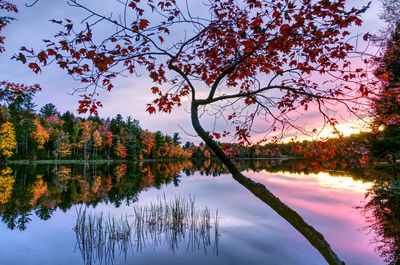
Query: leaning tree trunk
point(259, 190)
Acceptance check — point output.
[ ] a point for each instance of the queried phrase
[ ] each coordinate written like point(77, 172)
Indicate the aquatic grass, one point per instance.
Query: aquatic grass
point(98, 238)
point(163, 222)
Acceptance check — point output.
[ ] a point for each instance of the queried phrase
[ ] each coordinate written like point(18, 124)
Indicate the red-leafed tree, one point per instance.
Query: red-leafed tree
point(107, 140)
point(254, 59)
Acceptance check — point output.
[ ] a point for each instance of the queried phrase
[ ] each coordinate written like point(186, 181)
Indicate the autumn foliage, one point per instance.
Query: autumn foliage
point(385, 104)
point(7, 139)
point(250, 51)
point(68, 137)
point(40, 135)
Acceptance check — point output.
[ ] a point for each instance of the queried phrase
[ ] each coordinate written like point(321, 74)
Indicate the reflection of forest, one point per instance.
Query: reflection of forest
point(42, 189)
point(382, 212)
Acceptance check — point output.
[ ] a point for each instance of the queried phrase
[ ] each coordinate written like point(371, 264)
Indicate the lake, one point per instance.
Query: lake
point(191, 213)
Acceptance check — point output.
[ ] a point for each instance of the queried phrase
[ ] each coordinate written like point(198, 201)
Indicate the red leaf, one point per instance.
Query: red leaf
point(150, 109)
point(35, 68)
point(143, 24)
point(154, 89)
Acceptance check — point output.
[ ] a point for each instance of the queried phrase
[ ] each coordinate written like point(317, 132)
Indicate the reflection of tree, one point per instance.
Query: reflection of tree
point(44, 213)
point(37, 189)
point(6, 185)
point(293, 166)
point(383, 214)
point(22, 192)
point(41, 189)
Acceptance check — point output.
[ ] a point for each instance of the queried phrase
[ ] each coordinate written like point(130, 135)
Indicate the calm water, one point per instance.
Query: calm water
point(40, 207)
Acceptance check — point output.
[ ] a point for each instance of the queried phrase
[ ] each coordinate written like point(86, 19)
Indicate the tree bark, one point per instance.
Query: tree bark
point(259, 190)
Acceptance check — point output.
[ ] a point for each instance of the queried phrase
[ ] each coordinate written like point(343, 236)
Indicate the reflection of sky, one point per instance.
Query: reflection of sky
point(130, 96)
point(251, 233)
point(327, 202)
point(321, 179)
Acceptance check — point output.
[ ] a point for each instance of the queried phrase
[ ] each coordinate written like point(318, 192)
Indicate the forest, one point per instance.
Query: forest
point(30, 135)
point(48, 135)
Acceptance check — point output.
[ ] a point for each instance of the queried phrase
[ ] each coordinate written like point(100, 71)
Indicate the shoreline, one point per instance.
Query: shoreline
point(110, 161)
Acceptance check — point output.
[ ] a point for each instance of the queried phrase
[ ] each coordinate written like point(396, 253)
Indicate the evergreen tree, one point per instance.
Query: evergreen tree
point(176, 139)
point(49, 110)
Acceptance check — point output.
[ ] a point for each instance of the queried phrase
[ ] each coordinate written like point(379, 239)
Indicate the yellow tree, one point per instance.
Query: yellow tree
point(120, 149)
point(38, 189)
point(7, 139)
point(62, 145)
point(40, 134)
point(85, 136)
point(97, 142)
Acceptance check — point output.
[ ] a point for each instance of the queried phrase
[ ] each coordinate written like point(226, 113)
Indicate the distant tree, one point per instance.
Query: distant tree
point(116, 124)
point(85, 137)
point(49, 110)
point(40, 134)
point(97, 142)
point(386, 104)
point(134, 142)
point(27, 126)
point(176, 139)
point(7, 139)
point(133, 124)
point(188, 145)
point(147, 139)
point(62, 147)
point(22, 115)
point(159, 141)
point(68, 119)
point(120, 150)
point(107, 140)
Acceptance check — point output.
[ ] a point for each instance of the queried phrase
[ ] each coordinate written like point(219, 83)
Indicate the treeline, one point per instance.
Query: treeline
point(235, 150)
point(49, 135)
point(354, 151)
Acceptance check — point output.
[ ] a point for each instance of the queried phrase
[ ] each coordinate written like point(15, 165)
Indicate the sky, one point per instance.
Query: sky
point(130, 95)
